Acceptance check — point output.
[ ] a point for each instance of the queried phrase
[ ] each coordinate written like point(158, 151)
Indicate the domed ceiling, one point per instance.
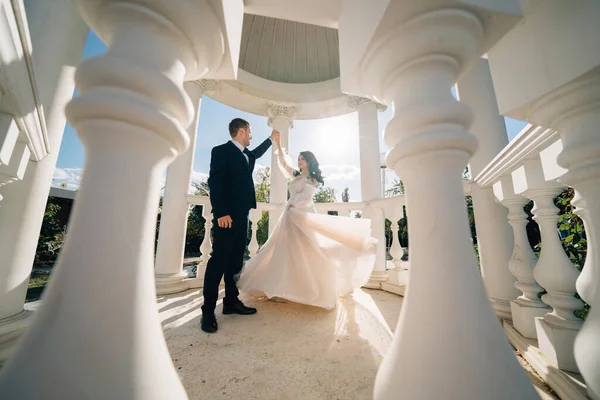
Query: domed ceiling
point(288, 52)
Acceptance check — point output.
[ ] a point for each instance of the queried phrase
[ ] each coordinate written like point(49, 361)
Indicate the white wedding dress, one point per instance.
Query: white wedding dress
point(310, 258)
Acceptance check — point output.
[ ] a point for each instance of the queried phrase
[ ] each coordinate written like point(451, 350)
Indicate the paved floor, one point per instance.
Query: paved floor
point(286, 350)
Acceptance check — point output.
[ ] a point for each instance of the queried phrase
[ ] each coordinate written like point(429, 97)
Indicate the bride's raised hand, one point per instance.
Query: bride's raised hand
point(276, 136)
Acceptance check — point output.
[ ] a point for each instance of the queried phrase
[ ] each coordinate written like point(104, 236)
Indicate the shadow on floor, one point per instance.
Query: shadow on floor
point(285, 351)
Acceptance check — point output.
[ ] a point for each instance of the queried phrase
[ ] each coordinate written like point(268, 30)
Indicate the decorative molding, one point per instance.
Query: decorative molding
point(208, 85)
point(281, 111)
point(355, 101)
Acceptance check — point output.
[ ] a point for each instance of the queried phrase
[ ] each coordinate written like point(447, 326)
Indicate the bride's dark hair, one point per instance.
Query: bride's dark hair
point(313, 167)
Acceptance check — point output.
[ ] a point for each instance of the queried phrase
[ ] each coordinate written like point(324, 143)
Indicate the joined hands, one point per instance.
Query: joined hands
point(276, 136)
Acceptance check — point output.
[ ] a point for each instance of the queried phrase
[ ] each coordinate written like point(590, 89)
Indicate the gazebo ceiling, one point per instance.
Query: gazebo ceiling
point(288, 52)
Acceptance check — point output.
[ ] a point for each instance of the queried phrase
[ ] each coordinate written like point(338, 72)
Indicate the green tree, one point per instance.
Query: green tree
point(263, 195)
point(325, 195)
point(346, 195)
point(51, 235)
point(396, 189)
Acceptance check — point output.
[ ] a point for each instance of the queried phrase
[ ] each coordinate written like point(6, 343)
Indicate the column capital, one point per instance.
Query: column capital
point(281, 111)
point(355, 102)
point(208, 85)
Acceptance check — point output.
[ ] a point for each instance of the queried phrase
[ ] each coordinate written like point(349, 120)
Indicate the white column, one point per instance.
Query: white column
point(58, 36)
point(494, 234)
point(281, 118)
point(131, 117)
point(447, 322)
point(169, 274)
point(368, 135)
point(527, 306)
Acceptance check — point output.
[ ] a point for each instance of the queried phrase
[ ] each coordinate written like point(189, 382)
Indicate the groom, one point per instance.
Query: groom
point(232, 196)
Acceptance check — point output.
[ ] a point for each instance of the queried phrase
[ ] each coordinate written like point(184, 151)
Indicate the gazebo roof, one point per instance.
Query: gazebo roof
point(288, 52)
point(286, 63)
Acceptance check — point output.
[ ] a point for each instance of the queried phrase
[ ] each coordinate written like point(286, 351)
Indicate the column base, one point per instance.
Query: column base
point(171, 283)
point(502, 308)
point(376, 279)
point(399, 275)
point(11, 329)
point(524, 315)
point(556, 343)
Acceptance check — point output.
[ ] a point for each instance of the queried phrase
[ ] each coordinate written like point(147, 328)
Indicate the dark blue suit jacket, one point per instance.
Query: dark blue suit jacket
point(230, 179)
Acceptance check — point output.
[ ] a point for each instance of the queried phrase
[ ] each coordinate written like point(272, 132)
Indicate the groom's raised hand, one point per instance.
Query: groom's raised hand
point(224, 222)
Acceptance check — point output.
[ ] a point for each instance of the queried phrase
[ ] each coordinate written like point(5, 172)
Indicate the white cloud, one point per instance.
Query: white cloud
point(340, 172)
point(67, 178)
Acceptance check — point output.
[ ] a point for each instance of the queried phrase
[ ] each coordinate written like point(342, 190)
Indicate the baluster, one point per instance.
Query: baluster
point(255, 216)
point(585, 282)
point(527, 306)
point(399, 274)
point(430, 146)
point(395, 249)
point(554, 271)
point(206, 245)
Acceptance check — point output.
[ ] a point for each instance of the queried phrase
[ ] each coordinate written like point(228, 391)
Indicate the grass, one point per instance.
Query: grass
point(37, 282)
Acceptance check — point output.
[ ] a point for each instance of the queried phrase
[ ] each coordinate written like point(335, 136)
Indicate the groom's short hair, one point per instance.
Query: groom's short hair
point(236, 124)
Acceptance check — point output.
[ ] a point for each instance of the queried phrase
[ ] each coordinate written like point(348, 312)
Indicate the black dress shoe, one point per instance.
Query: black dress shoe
point(209, 323)
point(238, 308)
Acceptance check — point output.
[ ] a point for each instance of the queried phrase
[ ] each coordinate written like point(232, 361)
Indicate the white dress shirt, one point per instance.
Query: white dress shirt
point(242, 148)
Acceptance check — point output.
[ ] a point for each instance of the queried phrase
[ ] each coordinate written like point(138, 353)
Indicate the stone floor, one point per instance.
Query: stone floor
point(286, 350)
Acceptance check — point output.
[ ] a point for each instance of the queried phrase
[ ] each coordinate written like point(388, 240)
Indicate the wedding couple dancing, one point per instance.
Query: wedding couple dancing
point(309, 258)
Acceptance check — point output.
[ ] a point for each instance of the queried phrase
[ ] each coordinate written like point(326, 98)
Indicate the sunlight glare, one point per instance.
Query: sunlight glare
point(337, 135)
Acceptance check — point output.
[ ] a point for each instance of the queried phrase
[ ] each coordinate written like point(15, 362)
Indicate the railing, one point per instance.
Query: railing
point(392, 207)
point(527, 170)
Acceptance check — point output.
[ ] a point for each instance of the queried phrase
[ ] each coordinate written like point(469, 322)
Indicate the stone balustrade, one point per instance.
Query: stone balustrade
point(544, 323)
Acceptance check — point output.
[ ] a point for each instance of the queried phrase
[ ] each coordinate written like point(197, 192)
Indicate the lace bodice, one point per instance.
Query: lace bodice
point(301, 193)
point(301, 190)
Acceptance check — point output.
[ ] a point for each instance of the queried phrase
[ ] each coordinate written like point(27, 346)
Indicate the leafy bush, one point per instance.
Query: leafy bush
point(51, 236)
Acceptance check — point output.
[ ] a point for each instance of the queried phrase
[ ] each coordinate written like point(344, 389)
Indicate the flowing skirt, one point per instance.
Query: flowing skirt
point(311, 259)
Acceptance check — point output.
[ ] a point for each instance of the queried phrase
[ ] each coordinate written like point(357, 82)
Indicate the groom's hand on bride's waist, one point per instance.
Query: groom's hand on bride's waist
point(224, 222)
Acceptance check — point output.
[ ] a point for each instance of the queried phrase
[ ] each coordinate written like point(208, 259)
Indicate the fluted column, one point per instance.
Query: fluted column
point(58, 36)
point(494, 235)
point(281, 117)
point(368, 135)
point(131, 117)
point(574, 110)
point(169, 274)
point(527, 306)
point(447, 322)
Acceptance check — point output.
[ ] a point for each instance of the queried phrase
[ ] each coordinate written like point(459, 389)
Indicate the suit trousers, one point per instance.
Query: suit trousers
point(226, 261)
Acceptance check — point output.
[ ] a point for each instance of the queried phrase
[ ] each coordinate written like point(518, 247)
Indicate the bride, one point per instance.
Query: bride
point(310, 258)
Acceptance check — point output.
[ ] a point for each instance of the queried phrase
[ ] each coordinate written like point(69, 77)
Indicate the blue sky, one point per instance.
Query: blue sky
point(333, 140)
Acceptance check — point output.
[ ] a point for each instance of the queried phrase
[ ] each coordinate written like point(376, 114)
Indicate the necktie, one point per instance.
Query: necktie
point(247, 153)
